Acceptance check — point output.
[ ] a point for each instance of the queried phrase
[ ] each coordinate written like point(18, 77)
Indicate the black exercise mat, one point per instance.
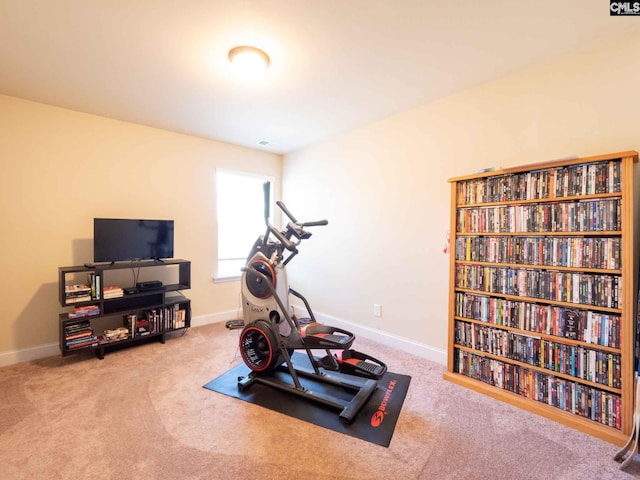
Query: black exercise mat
point(374, 423)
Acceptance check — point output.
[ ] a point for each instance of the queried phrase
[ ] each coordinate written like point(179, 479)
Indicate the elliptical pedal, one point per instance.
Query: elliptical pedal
point(376, 371)
point(316, 335)
point(357, 363)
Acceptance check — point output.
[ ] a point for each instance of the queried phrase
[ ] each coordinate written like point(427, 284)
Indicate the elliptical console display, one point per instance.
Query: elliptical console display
point(271, 334)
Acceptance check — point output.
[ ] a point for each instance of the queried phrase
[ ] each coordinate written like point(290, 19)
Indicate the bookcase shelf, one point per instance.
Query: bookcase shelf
point(141, 315)
point(543, 276)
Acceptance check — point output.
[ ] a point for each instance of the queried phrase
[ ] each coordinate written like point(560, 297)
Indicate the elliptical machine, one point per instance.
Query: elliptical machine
point(270, 334)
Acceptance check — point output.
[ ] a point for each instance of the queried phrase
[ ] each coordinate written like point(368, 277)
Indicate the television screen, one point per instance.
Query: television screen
point(118, 239)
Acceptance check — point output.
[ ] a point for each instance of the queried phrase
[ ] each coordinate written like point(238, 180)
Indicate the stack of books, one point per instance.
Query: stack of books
point(112, 291)
point(115, 335)
point(77, 293)
point(87, 311)
point(79, 335)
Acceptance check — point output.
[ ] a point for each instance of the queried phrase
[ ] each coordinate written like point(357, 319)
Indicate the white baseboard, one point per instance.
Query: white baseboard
point(216, 317)
point(420, 349)
point(385, 338)
point(28, 354)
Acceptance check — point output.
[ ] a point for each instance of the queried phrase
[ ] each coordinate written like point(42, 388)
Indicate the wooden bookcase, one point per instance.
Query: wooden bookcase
point(543, 276)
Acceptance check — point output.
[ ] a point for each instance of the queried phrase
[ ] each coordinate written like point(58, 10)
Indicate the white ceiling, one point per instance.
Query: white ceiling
point(335, 64)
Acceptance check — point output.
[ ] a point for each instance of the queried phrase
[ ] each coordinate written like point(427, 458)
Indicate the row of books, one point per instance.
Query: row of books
point(155, 320)
point(574, 180)
point(598, 328)
point(583, 400)
point(582, 216)
point(577, 252)
point(79, 335)
point(575, 360)
point(167, 318)
point(571, 287)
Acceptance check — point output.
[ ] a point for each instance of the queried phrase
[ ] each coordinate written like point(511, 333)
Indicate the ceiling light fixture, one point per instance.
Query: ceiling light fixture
point(249, 62)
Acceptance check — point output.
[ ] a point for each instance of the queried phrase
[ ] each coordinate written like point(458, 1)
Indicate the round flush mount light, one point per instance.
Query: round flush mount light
point(248, 62)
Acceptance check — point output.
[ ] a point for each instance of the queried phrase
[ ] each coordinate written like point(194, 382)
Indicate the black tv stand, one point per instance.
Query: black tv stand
point(158, 312)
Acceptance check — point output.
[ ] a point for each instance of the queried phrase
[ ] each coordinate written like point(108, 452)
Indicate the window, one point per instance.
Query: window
point(240, 210)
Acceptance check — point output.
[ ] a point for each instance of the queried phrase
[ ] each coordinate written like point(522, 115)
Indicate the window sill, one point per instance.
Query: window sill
point(226, 278)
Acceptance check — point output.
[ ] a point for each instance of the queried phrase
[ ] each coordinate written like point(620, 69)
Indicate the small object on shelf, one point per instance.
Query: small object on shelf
point(77, 293)
point(112, 291)
point(149, 285)
point(487, 169)
point(115, 335)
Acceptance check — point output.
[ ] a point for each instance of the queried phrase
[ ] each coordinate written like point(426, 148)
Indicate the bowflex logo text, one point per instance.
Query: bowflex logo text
point(378, 416)
point(623, 8)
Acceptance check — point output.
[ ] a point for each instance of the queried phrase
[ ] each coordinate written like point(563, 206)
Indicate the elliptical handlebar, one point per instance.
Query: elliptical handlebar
point(286, 211)
point(317, 223)
point(266, 189)
point(293, 229)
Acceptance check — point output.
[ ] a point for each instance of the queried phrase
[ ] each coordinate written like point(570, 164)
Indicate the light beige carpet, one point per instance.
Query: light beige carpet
point(142, 413)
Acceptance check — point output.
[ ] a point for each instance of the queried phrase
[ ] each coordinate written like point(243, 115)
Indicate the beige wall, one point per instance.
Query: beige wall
point(384, 187)
point(61, 168)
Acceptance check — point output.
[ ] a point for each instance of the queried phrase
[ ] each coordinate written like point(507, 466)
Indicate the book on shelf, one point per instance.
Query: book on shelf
point(129, 321)
point(112, 291)
point(571, 320)
point(84, 342)
point(94, 280)
point(181, 318)
point(79, 334)
point(85, 311)
point(75, 326)
point(81, 287)
point(115, 335)
point(78, 299)
point(142, 327)
point(77, 293)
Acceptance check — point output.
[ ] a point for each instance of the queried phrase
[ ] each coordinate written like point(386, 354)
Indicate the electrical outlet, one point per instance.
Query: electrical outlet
point(377, 310)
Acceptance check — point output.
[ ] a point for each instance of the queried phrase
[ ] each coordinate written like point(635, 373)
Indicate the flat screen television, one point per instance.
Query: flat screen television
point(120, 239)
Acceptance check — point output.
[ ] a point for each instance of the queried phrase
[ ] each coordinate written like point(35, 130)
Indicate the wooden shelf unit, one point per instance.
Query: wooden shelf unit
point(543, 282)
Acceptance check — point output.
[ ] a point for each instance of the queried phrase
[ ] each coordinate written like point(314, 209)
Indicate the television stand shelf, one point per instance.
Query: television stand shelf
point(107, 318)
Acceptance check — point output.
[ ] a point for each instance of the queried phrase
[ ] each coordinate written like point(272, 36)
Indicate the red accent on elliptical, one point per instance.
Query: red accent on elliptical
point(271, 274)
point(250, 364)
